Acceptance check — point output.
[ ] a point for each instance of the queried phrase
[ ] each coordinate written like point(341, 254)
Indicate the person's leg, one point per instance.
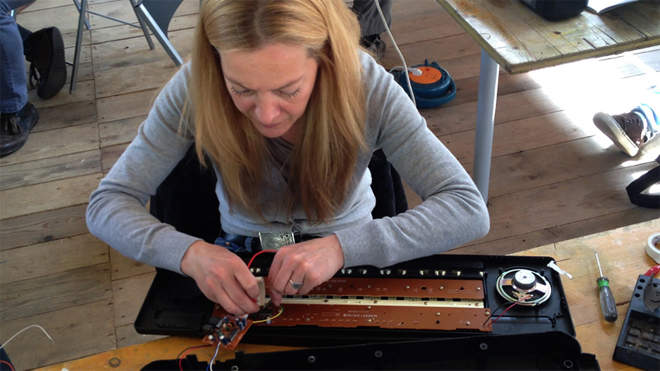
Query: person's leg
point(370, 21)
point(371, 24)
point(17, 115)
point(630, 131)
point(650, 111)
point(13, 84)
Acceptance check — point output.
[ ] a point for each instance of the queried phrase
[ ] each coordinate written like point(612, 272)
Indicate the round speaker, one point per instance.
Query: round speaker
point(524, 286)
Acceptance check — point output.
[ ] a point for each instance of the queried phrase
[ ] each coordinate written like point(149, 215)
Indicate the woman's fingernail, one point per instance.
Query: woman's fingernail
point(254, 300)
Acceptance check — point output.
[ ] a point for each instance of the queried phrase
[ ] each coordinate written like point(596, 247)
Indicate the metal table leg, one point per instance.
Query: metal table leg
point(486, 104)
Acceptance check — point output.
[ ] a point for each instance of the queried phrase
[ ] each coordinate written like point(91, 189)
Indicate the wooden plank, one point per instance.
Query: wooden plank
point(555, 164)
point(125, 106)
point(488, 31)
point(432, 25)
point(57, 142)
point(73, 337)
point(127, 336)
point(44, 4)
point(644, 17)
point(120, 131)
point(123, 10)
point(146, 76)
point(84, 93)
point(123, 267)
point(48, 258)
point(47, 196)
point(440, 50)
point(42, 227)
point(520, 135)
point(110, 155)
point(561, 203)
point(63, 17)
point(106, 34)
point(58, 117)
point(50, 169)
point(54, 292)
point(518, 243)
point(135, 51)
point(517, 106)
point(128, 294)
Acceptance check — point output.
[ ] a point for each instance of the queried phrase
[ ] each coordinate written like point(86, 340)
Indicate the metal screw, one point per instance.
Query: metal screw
point(234, 368)
point(437, 313)
point(378, 354)
point(311, 359)
point(467, 323)
point(441, 287)
point(369, 320)
point(478, 288)
point(487, 313)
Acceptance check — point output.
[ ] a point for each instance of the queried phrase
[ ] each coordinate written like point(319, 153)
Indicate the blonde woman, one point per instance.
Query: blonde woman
point(288, 110)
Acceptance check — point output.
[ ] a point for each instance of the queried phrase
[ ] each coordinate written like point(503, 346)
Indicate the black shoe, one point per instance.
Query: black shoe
point(45, 50)
point(374, 45)
point(15, 128)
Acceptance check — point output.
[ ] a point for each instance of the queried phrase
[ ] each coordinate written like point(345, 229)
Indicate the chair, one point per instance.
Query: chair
point(156, 14)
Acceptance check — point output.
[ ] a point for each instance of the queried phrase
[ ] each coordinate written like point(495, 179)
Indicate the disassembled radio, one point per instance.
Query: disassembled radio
point(433, 297)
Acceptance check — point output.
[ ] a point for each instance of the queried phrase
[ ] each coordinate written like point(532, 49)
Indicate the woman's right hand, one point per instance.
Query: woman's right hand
point(222, 276)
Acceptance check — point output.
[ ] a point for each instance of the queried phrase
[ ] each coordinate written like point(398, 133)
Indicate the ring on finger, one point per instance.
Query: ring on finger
point(296, 285)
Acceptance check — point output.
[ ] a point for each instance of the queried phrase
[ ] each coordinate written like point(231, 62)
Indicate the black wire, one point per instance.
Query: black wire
point(189, 348)
point(493, 312)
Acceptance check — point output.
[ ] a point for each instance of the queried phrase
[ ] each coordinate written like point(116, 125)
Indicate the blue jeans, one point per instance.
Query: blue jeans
point(234, 247)
point(650, 110)
point(13, 83)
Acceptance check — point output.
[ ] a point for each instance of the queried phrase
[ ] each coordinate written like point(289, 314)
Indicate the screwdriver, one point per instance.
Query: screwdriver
point(607, 304)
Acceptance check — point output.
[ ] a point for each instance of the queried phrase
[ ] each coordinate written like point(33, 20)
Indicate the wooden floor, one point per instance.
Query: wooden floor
point(555, 177)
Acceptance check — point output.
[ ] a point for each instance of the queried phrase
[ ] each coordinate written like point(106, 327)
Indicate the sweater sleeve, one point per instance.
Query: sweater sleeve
point(452, 212)
point(116, 213)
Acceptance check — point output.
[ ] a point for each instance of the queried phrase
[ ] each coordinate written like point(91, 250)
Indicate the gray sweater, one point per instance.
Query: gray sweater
point(453, 211)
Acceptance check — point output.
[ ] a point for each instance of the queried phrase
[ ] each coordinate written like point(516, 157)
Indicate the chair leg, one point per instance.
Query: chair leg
point(79, 38)
point(89, 27)
point(160, 36)
point(143, 26)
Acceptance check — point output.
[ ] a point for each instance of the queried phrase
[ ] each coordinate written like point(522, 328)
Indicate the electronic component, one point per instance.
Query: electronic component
point(639, 341)
point(429, 304)
point(524, 287)
point(227, 330)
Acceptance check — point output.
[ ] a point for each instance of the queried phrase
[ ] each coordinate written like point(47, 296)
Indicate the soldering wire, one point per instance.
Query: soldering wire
point(271, 318)
point(41, 328)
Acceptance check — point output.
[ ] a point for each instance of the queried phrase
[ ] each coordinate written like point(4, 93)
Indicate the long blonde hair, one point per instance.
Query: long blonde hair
point(323, 161)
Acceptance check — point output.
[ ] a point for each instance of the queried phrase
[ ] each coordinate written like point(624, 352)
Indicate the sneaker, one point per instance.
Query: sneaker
point(374, 45)
point(627, 131)
point(45, 50)
point(15, 128)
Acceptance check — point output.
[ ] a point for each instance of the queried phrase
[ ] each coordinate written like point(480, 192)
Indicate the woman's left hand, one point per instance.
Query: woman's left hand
point(310, 263)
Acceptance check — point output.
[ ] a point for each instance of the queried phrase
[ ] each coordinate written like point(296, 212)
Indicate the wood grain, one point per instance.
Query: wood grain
point(42, 227)
point(48, 258)
point(47, 196)
point(54, 292)
point(74, 337)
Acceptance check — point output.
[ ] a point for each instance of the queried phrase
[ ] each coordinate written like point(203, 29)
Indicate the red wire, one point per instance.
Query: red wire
point(8, 364)
point(188, 351)
point(255, 255)
point(511, 306)
point(652, 271)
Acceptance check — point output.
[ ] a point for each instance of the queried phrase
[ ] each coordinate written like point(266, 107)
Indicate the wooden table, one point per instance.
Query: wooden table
point(511, 35)
point(622, 255)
